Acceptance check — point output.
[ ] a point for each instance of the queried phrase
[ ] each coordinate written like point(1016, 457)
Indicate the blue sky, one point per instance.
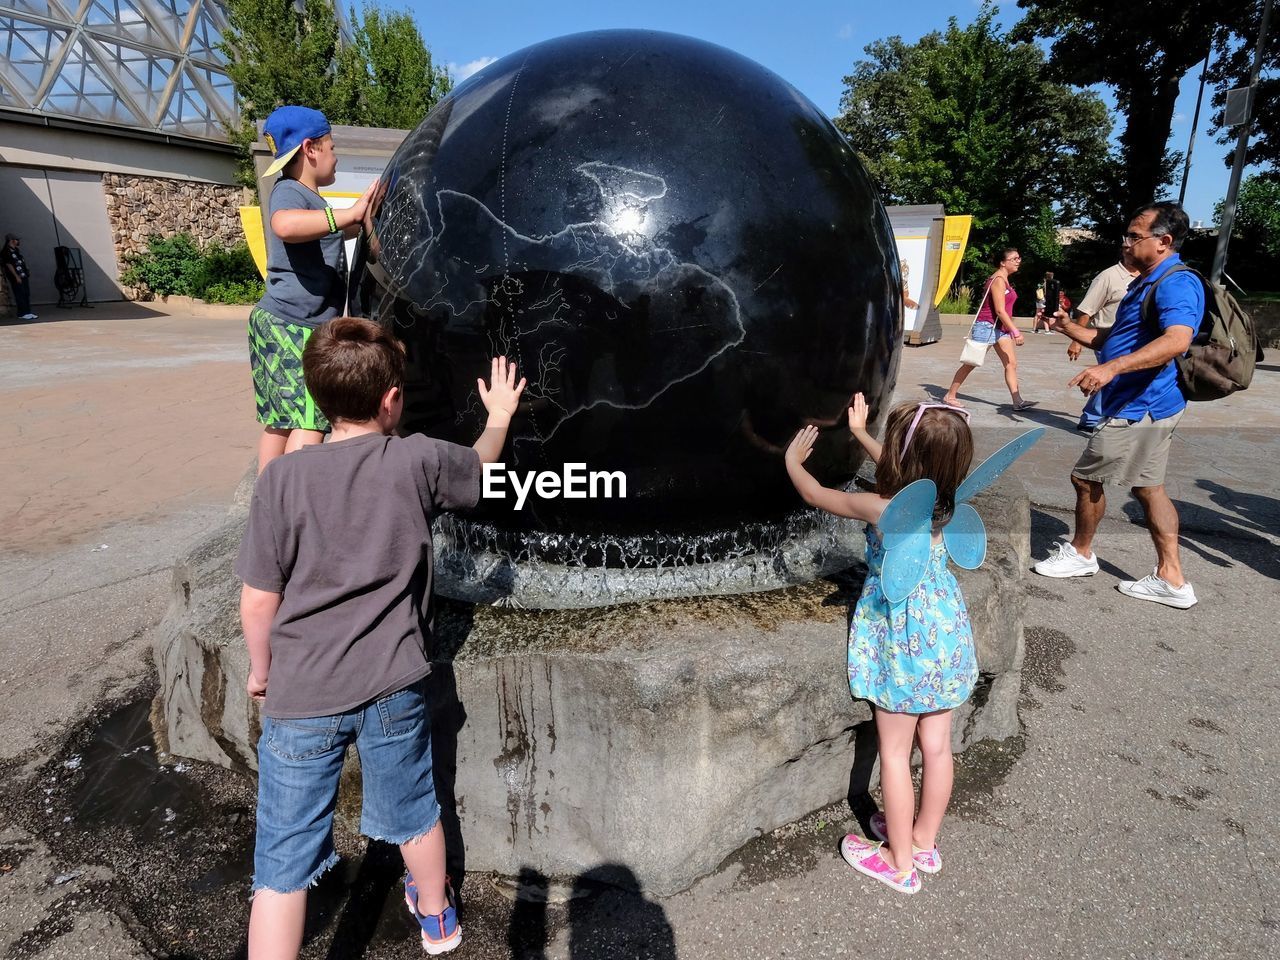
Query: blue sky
point(812, 43)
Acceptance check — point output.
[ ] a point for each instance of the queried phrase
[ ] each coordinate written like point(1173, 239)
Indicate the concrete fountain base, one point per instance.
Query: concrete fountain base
point(660, 736)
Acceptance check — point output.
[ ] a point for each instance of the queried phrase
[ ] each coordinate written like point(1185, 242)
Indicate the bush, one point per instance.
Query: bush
point(164, 270)
point(177, 266)
point(250, 292)
point(959, 299)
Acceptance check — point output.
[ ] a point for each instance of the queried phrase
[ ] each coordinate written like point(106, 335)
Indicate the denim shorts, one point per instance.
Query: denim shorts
point(987, 333)
point(299, 763)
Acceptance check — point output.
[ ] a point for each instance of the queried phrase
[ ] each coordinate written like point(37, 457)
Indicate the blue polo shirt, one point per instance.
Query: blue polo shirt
point(1179, 301)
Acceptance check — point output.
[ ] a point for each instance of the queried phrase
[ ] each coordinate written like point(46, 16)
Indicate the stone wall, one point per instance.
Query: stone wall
point(141, 207)
point(1266, 316)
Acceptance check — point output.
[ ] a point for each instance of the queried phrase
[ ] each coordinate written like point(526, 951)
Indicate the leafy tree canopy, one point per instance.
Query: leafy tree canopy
point(1142, 51)
point(970, 119)
point(386, 78)
point(1255, 235)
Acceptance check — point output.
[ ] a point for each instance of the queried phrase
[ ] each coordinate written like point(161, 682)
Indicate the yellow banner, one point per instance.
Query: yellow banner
point(251, 221)
point(955, 235)
point(255, 231)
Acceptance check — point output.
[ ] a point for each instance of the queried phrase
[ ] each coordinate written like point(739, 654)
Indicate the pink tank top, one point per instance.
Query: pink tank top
point(985, 313)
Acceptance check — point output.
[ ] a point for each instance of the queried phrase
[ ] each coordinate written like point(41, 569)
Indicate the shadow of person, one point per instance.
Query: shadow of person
point(1046, 531)
point(454, 622)
point(866, 748)
point(1042, 417)
point(1224, 539)
point(610, 918)
point(374, 901)
point(527, 928)
point(1252, 509)
point(447, 718)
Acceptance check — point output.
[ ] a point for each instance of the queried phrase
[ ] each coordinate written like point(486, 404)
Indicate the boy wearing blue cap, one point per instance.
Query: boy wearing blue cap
point(306, 276)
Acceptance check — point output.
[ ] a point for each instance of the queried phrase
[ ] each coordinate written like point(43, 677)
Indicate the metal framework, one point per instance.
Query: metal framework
point(149, 65)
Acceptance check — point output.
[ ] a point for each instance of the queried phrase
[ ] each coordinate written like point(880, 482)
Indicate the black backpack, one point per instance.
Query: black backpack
point(1221, 358)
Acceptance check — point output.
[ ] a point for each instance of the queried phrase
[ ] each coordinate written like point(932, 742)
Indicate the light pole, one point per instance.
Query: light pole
point(1195, 125)
point(1242, 147)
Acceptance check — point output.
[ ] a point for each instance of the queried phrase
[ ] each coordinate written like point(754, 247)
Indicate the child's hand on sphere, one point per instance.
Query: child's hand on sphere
point(801, 445)
point(858, 413)
point(502, 394)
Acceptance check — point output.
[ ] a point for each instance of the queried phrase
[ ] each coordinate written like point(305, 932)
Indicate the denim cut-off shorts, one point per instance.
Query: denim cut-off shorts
point(299, 763)
point(988, 333)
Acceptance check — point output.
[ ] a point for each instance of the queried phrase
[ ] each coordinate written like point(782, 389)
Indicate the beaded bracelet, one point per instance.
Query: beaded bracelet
point(333, 223)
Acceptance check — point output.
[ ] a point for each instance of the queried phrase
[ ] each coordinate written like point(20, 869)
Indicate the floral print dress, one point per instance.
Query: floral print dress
point(916, 656)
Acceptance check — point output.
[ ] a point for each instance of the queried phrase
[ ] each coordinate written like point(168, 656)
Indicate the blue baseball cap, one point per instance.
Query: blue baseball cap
point(285, 130)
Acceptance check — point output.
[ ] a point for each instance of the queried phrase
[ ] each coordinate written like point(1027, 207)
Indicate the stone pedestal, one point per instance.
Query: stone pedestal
point(659, 735)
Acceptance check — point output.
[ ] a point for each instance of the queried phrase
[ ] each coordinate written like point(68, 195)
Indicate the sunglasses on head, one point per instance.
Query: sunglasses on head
point(915, 421)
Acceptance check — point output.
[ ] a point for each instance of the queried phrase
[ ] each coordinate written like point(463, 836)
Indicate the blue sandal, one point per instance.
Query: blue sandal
point(441, 932)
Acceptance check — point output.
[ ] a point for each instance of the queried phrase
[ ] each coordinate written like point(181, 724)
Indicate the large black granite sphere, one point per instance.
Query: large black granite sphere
point(680, 251)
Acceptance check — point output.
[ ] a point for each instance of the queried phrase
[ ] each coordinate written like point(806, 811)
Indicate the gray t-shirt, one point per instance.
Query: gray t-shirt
point(343, 531)
point(306, 282)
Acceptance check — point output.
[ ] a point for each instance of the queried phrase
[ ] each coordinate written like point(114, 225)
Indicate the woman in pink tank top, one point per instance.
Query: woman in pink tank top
point(994, 325)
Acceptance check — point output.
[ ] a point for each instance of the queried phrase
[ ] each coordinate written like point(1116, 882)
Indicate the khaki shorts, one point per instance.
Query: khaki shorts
point(1130, 454)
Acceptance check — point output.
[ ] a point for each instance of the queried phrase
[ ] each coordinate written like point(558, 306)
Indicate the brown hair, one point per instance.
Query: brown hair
point(941, 450)
point(348, 365)
point(1003, 254)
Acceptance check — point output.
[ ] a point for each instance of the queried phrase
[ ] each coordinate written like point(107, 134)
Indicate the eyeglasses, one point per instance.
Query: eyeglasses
point(1129, 239)
point(915, 421)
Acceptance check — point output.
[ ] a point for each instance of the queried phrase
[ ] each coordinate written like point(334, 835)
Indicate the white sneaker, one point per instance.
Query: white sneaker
point(1160, 591)
point(28, 316)
point(1067, 562)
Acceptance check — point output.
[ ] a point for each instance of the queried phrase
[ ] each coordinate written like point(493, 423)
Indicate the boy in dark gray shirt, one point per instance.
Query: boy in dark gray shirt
point(337, 613)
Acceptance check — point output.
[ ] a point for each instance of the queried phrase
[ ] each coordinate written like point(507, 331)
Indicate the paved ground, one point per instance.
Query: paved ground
point(1131, 820)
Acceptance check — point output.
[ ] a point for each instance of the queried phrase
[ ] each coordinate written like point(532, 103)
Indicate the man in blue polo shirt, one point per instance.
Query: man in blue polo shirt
point(1141, 404)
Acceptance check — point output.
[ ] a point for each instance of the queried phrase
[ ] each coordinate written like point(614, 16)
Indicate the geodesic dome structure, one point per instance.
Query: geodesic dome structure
point(149, 65)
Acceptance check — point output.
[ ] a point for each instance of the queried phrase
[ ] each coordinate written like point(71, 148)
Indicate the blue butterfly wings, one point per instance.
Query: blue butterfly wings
point(906, 526)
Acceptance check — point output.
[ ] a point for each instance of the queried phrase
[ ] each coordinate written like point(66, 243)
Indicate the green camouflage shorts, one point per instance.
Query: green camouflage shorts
point(275, 357)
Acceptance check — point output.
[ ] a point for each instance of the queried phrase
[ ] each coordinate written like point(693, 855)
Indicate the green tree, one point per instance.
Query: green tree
point(386, 77)
point(971, 120)
point(1258, 213)
point(1255, 235)
point(1142, 51)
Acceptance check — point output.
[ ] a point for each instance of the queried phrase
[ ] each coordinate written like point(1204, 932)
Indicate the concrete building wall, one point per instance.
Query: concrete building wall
point(107, 194)
point(51, 208)
point(85, 149)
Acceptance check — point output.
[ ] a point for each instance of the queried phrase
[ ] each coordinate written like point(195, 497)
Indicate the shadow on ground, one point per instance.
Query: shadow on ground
point(178, 839)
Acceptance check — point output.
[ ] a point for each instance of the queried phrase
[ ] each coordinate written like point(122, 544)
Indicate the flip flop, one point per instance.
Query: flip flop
point(953, 403)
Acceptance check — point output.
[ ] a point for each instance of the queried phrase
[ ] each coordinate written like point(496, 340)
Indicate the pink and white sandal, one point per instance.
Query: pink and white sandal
point(864, 856)
point(927, 861)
